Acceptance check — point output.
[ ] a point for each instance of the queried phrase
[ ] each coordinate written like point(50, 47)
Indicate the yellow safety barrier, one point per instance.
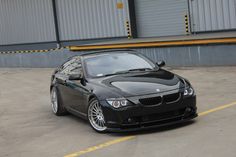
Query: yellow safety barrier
point(32, 51)
point(155, 44)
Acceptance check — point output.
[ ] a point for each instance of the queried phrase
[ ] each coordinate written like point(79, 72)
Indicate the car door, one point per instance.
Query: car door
point(73, 92)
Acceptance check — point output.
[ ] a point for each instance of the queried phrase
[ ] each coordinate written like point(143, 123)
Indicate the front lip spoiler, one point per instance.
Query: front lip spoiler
point(153, 126)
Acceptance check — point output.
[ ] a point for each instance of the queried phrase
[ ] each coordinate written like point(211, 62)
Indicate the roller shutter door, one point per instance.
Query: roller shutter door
point(213, 15)
point(161, 17)
point(26, 21)
point(92, 19)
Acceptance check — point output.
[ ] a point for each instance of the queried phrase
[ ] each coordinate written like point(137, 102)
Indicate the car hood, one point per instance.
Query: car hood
point(142, 83)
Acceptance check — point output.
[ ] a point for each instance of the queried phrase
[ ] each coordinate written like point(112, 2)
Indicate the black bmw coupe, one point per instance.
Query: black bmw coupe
point(120, 90)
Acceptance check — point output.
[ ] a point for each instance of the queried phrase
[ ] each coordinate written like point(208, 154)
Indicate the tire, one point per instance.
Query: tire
point(95, 116)
point(56, 103)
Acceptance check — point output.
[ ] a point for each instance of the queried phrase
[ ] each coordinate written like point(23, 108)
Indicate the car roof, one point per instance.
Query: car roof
point(94, 53)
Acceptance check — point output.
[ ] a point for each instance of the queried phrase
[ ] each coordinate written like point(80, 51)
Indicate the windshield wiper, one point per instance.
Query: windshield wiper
point(128, 71)
point(117, 73)
point(141, 69)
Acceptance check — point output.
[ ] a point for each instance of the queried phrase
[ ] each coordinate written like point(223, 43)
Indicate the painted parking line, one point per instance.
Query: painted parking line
point(100, 146)
point(217, 109)
point(123, 139)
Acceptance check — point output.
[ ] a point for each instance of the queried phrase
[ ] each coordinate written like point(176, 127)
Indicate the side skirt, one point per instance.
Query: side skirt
point(77, 113)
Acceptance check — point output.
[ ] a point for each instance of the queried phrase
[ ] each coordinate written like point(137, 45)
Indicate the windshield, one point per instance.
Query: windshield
point(113, 63)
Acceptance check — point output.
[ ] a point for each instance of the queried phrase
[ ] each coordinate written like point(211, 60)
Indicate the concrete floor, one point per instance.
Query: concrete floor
point(28, 128)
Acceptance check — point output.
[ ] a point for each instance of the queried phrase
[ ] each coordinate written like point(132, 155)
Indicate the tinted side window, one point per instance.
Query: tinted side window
point(72, 67)
point(68, 63)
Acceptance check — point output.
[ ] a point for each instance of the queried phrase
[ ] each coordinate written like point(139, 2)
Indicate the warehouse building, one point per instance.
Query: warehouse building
point(37, 33)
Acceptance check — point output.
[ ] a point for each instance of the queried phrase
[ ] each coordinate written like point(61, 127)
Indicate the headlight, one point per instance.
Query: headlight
point(188, 91)
point(117, 103)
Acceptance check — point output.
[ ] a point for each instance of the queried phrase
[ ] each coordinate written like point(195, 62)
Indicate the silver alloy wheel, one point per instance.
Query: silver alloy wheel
point(95, 116)
point(54, 101)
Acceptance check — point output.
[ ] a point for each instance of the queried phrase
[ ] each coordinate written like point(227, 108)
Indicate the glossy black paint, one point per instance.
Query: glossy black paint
point(77, 90)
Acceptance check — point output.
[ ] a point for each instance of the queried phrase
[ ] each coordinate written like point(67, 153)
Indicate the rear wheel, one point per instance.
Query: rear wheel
point(57, 107)
point(96, 117)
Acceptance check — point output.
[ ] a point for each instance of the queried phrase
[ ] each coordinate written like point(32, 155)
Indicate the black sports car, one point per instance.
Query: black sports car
point(121, 90)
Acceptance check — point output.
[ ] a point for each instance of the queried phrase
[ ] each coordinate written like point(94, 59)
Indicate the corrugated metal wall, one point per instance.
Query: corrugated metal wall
point(92, 19)
point(26, 21)
point(160, 17)
point(213, 15)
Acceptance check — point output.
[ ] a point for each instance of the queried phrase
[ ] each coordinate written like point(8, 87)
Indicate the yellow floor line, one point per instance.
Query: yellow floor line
point(123, 139)
point(100, 146)
point(217, 109)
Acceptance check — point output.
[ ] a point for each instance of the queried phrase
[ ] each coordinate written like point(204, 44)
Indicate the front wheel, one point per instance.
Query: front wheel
point(96, 117)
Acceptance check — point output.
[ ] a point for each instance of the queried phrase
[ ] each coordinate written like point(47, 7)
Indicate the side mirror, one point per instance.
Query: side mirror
point(161, 63)
point(75, 77)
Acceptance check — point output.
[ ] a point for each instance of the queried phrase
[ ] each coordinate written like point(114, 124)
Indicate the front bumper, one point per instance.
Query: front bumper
point(142, 117)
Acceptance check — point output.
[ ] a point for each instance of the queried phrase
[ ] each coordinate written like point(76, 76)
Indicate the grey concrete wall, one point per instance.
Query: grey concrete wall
point(210, 55)
point(36, 59)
